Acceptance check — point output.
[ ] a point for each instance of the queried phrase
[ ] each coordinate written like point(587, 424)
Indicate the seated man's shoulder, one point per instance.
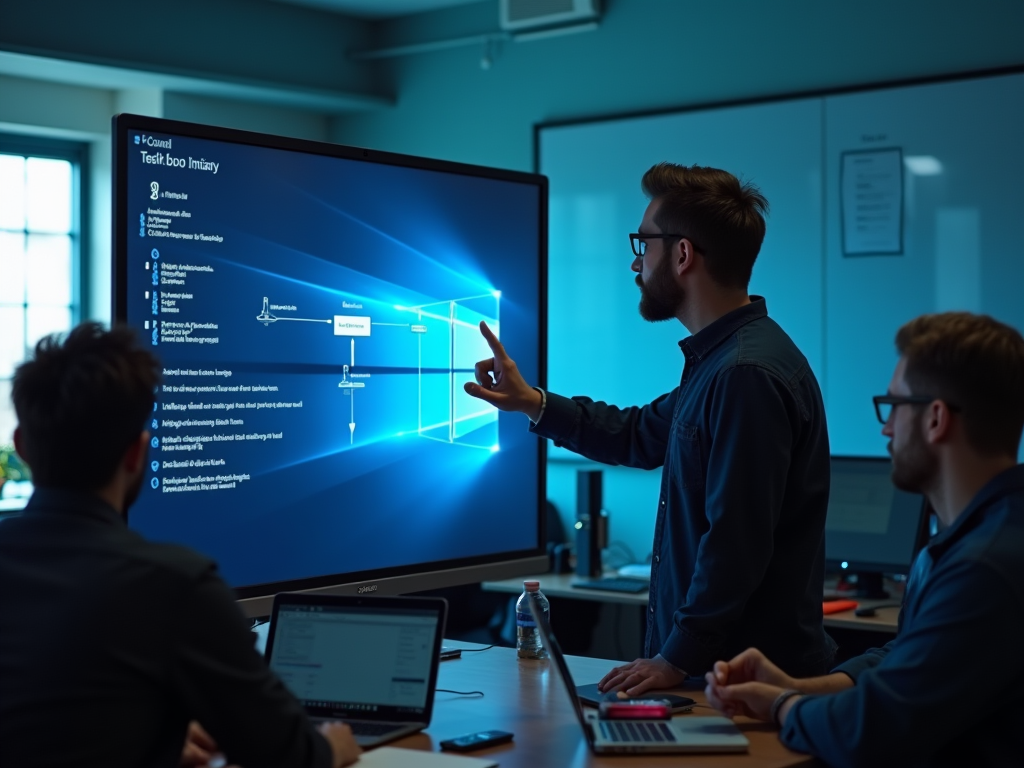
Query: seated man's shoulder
point(171, 560)
point(1001, 541)
point(989, 557)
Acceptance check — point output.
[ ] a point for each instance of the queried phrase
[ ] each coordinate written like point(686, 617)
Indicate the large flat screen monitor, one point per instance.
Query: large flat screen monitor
point(872, 527)
point(315, 309)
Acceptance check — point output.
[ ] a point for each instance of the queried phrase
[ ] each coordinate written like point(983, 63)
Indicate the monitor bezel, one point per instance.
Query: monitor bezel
point(834, 565)
point(256, 599)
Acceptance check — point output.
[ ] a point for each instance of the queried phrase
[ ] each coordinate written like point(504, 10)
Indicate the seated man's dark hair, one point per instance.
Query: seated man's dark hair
point(975, 363)
point(723, 218)
point(81, 403)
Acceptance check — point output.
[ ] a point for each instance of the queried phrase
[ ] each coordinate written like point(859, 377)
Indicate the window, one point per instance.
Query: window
point(41, 264)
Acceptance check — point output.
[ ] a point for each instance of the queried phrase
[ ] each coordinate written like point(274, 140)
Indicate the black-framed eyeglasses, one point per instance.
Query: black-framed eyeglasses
point(639, 241)
point(884, 404)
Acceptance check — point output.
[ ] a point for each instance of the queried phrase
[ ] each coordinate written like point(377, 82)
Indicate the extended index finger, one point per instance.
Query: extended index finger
point(492, 340)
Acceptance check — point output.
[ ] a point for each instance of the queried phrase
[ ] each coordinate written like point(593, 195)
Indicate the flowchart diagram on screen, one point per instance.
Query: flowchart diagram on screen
point(448, 345)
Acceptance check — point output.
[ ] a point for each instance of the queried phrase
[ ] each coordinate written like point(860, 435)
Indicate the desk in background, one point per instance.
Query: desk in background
point(560, 585)
point(620, 629)
point(527, 698)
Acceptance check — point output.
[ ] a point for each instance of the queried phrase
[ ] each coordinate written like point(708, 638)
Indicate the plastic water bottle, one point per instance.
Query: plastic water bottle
point(528, 644)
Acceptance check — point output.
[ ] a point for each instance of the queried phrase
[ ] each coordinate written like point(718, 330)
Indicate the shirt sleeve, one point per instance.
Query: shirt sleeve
point(925, 692)
point(870, 659)
point(632, 437)
point(752, 438)
point(226, 685)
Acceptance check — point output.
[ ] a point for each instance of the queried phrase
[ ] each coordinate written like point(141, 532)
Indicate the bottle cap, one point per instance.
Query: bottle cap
point(532, 586)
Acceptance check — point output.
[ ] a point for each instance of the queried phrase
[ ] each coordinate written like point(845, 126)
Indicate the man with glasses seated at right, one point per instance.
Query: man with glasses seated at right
point(949, 690)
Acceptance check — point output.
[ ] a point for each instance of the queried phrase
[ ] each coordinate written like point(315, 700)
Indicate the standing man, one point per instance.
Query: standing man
point(109, 644)
point(947, 690)
point(738, 555)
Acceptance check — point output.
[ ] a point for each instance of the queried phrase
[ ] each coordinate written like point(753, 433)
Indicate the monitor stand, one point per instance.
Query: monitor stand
point(870, 585)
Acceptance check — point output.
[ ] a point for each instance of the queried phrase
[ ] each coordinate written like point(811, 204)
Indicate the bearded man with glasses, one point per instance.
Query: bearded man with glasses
point(947, 690)
point(738, 555)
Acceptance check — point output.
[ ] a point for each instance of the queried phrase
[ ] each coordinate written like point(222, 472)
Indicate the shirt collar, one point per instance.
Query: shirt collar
point(711, 336)
point(1005, 483)
point(81, 503)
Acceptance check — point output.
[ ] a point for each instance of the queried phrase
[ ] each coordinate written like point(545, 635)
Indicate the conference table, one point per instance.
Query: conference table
point(527, 697)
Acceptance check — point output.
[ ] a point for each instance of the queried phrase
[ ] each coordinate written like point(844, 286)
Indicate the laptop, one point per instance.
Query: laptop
point(369, 661)
point(642, 737)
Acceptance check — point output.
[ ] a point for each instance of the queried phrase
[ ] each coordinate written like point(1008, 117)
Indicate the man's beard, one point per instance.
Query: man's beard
point(914, 466)
point(660, 297)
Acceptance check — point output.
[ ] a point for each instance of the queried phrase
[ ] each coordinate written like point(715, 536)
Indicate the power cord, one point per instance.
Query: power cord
point(477, 650)
point(477, 694)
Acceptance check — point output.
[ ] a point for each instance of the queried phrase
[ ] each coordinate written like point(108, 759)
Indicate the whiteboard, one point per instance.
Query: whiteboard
point(598, 344)
point(962, 242)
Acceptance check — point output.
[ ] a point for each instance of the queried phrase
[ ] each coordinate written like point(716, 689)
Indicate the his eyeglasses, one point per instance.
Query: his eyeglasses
point(884, 404)
point(639, 241)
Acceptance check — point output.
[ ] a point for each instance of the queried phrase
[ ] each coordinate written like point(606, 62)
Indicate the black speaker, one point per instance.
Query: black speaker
point(588, 523)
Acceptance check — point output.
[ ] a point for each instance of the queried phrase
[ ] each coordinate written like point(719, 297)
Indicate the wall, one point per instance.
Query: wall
point(241, 41)
point(658, 54)
point(67, 67)
point(81, 113)
point(646, 55)
point(650, 55)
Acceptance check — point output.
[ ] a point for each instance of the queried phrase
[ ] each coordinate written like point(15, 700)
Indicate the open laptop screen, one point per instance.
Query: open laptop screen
point(357, 662)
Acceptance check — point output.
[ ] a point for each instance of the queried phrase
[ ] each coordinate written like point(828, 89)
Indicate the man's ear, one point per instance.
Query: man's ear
point(938, 422)
point(684, 256)
point(135, 456)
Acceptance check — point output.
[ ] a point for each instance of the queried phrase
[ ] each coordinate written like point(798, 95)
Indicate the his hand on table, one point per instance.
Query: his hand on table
point(747, 685)
point(506, 390)
point(199, 747)
point(641, 676)
point(343, 744)
point(743, 685)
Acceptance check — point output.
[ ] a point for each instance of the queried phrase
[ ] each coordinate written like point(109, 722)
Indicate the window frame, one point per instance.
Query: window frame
point(77, 153)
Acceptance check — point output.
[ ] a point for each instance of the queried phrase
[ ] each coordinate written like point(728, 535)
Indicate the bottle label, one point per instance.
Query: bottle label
point(525, 620)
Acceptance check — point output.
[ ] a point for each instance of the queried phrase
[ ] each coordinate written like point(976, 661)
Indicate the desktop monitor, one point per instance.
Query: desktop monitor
point(872, 527)
point(315, 310)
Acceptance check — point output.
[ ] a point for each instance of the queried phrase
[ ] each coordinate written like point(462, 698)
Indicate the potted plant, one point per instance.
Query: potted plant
point(11, 466)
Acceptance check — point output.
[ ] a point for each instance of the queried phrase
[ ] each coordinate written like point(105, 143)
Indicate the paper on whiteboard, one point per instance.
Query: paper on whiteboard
point(872, 202)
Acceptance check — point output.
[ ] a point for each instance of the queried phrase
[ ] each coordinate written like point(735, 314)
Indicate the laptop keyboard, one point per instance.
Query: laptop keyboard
point(372, 729)
point(641, 730)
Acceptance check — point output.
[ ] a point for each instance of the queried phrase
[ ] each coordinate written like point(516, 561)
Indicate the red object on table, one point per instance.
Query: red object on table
point(837, 606)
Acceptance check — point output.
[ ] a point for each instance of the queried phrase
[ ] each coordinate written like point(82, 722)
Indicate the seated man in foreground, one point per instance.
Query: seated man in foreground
point(110, 645)
point(947, 690)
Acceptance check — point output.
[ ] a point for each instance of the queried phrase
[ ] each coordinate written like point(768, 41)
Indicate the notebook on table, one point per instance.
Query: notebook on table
point(641, 737)
point(368, 661)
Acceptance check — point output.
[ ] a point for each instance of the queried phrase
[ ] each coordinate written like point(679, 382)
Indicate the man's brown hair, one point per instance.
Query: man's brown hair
point(723, 218)
point(81, 403)
point(975, 363)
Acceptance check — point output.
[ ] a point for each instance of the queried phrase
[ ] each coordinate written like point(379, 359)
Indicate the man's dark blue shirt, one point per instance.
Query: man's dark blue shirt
point(947, 690)
point(738, 556)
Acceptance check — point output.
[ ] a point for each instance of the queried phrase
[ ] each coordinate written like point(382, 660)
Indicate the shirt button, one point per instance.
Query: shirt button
point(657, 558)
point(652, 609)
point(663, 502)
